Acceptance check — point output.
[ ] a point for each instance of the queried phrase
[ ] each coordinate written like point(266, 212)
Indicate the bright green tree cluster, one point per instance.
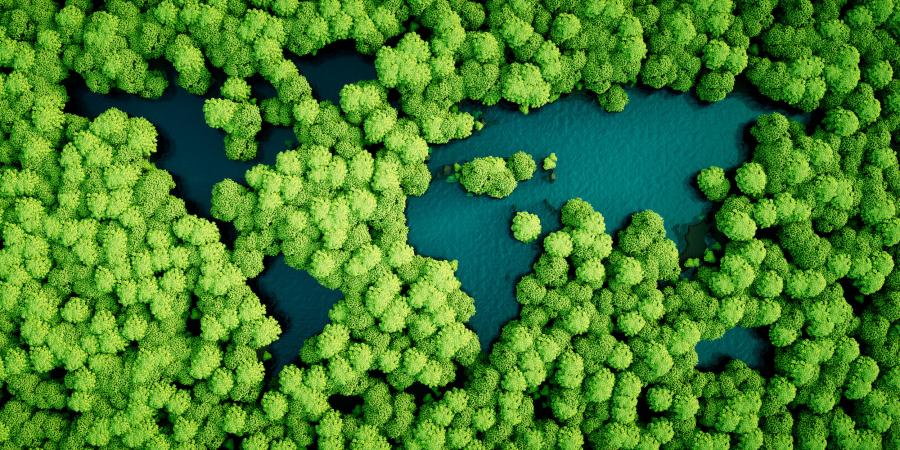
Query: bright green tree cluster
point(496, 177)
point(549, 162)
point(125, 322)
point(831, 54)
point(101, 270)
point(526, 226)
point(240, 121)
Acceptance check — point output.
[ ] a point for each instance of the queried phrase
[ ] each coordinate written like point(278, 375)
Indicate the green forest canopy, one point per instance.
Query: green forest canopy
point(126, 321)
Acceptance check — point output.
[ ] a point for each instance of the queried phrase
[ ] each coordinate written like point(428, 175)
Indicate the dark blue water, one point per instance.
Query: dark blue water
point(190, 150)
point(194, 154)
point(334, 67)
point(643, 158)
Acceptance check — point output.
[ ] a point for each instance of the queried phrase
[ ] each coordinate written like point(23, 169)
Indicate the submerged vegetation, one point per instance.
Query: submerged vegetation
point(126, 322)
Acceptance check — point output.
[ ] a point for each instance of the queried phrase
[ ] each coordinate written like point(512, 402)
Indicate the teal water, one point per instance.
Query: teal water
point(642, 158)
point(748, 345)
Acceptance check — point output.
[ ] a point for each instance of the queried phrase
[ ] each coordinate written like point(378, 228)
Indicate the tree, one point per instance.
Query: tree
point(488, 175)
point(591, 272)
point(524, 85)
point(713, 183)
point(206, 359)
point(751, 179)
point(558, 243)
point(737, 225)
point(841, 121)
point(189, 62)
point(236, 89)
point(358, 100)
point(565, 26)
point(240, 121)
point(521, 165)
point(379, 123)
point(764, 213)
point(863, 371)
point(550, 162)
point(218, 112)
point(714, 86)
point(332, 340)
point(627, 271)
point(526, 226)
point(615, 99)
point(879, 74)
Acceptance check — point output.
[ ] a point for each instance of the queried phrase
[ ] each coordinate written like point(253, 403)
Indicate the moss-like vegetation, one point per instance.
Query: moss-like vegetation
point(125, 322)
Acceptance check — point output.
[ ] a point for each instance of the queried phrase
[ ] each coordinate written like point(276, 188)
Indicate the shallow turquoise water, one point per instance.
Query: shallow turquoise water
point(642, 158)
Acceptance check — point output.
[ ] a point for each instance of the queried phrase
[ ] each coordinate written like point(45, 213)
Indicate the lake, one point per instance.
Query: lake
point(642, 158)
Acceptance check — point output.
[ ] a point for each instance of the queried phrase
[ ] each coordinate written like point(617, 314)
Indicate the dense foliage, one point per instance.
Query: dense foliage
point(526, 226)
point(125, 322)
point(495, 177)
